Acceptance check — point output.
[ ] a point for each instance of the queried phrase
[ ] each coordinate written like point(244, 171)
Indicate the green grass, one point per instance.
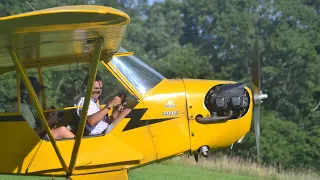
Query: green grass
point(219, 167)
point(175, 172)
point(159, 172)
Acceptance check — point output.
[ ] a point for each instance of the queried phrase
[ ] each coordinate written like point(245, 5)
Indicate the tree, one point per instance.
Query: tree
point(11, 7)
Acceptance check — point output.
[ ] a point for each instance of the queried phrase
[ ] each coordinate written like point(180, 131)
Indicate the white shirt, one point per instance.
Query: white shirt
point(93, 108)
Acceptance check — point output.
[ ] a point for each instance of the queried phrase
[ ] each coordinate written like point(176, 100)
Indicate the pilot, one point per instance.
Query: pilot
point(98, 121)
point(28, 112)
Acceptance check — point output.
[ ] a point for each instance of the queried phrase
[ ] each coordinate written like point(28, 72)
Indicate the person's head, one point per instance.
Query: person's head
point(36, 86)
point(97, 86)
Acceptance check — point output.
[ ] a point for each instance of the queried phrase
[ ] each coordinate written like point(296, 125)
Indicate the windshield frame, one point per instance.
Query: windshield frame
point(126, 65)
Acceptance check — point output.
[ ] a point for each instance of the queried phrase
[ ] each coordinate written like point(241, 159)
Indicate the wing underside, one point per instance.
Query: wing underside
point(60, 35)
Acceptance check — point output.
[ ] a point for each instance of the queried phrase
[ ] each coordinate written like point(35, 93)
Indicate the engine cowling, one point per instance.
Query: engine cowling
point(225, 102)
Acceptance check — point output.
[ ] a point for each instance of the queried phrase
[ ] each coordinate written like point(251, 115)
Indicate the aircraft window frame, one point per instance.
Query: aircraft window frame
point(70, 67)
point(39, 73)
point(137, 80)
point(102, 65)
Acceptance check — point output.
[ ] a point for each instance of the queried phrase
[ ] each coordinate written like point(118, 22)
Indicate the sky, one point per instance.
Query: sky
point(150, 2)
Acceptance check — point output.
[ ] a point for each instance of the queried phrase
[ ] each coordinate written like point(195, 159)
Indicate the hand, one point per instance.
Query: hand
point(120, 108)
point(115, 101)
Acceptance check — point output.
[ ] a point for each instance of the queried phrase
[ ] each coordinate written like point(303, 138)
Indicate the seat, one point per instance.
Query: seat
point(75, 123)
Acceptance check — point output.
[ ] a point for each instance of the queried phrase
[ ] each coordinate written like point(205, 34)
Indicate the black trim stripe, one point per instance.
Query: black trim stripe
point(136, 122)
point(11, 118)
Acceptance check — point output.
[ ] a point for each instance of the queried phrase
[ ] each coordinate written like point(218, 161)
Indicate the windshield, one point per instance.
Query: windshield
point(139, 74)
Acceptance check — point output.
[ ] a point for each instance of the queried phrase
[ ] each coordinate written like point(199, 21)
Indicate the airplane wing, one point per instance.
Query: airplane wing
point(59, 35)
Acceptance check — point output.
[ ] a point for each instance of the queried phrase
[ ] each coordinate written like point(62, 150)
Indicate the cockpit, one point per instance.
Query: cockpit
point(124, 73)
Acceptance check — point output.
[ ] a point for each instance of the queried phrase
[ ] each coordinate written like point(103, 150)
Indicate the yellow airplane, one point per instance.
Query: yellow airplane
point(169, 117)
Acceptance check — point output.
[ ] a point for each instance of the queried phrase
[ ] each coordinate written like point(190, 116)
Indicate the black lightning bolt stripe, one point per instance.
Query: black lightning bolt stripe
point(11, 118)
point(136, 122)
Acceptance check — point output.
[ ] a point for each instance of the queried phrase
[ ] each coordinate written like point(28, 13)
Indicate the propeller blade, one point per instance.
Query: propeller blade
point(256, 117)
point(256, 68)
point(257, 94)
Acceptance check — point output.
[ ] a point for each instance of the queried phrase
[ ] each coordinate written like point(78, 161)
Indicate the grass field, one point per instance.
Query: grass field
point(159, 172)
point(224, 168)
point(175, 172)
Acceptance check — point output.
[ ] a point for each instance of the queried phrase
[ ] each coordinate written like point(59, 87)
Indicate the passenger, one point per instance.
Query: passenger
point(98, 121)
point(28, 112)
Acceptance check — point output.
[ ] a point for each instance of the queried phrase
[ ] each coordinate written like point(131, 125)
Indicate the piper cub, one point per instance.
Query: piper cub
point(75, 104)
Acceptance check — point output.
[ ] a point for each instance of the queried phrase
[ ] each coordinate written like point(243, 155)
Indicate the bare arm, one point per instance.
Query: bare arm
point(121, 115)
point(95, 118)
point(116, 112)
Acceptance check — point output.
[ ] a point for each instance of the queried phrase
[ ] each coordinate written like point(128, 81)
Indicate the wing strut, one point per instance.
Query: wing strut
point(22, 72)
point(83, 116)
